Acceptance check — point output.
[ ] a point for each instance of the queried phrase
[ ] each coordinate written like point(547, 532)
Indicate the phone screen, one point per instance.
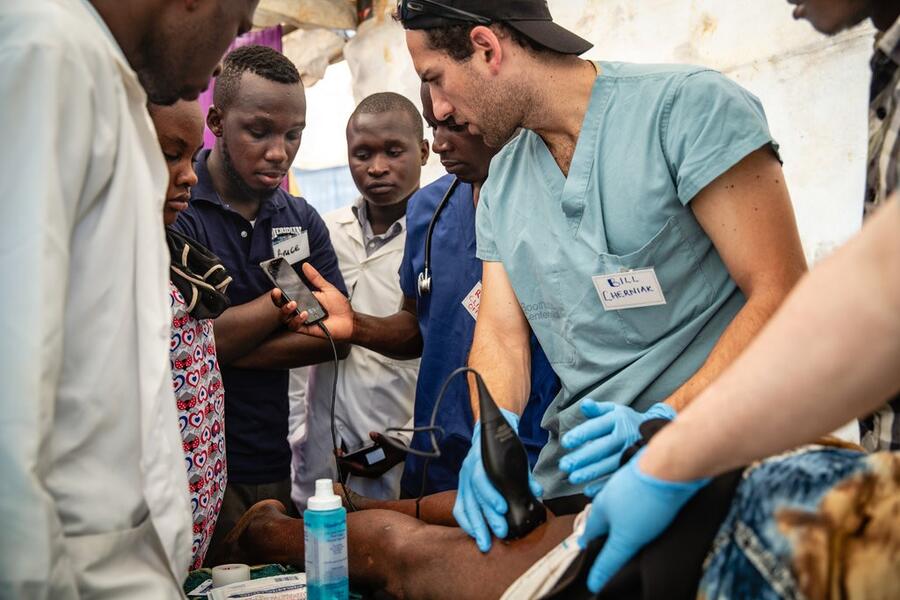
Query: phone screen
point(282, 274)
point(369, 454)
point(375, 456)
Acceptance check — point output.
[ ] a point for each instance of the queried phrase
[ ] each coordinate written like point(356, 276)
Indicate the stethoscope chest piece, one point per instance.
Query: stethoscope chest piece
point(424, 281)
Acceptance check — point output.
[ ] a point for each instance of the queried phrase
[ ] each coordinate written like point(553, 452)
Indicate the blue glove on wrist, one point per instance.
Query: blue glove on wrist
point(596, 446)
point(634, 509)
point(478, 503)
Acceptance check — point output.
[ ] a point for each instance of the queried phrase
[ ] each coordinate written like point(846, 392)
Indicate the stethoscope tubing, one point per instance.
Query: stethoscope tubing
point(424, 282)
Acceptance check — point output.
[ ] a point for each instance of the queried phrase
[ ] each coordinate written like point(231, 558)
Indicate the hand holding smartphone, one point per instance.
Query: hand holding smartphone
point(283, 276)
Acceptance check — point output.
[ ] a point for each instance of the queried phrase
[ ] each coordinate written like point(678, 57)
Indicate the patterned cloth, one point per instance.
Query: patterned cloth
point(819, 522)
point(815, 523)
point(881, 430)
point(884, 119)
point(201, 405)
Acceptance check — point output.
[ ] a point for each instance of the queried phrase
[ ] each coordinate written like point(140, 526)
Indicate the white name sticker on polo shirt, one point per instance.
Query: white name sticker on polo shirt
point(472, 301)
point(630, 289)
point(291, 246)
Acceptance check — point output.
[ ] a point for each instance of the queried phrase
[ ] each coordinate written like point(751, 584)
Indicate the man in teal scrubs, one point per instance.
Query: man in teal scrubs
point(639, 224)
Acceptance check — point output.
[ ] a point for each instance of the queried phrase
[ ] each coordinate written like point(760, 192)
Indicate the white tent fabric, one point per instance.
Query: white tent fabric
point(307, 14)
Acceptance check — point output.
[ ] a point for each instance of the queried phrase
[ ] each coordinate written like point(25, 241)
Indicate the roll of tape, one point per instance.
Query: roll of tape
point(225, 574)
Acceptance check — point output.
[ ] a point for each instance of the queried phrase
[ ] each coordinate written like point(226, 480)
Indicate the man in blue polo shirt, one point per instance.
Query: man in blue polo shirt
point(239, 212)
point(438, 324)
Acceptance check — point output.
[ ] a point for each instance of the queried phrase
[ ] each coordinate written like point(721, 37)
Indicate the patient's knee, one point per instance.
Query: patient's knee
point(396, 553)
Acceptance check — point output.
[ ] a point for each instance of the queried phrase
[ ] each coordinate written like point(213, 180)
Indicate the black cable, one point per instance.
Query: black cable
point(424, 281)
point(334, 443)
point(431, 429)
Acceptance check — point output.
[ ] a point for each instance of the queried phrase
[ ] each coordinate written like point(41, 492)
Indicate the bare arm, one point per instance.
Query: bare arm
point(747, 214)
point(830, 354)
point(500, 349)
point(287, 350)
point(396, 335)
point(240, 329)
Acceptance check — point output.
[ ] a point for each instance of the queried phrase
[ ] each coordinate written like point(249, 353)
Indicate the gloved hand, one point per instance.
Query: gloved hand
point(633, 508)
point(596, 446)
point(478, 503)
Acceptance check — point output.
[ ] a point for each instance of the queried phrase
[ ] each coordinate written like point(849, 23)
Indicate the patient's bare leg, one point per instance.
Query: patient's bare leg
point(397, 554)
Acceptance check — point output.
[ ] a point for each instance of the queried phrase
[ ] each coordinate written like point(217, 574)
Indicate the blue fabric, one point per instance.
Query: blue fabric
point(652, 138)
point(751, 557)
point(256, 401)
point(447, 330)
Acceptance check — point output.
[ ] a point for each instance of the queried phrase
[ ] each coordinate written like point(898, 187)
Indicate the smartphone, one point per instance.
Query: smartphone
point(368, 454)
point(283, 276)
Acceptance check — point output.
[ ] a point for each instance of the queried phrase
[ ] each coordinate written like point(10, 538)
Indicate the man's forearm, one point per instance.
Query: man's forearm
point(396, 336)
point(505, 366)
point(240, 329)
point(739, 333)
point(830, 354)
point(288, 350)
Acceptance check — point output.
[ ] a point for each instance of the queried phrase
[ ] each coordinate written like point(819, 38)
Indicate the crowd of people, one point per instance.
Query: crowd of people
point(613, 249)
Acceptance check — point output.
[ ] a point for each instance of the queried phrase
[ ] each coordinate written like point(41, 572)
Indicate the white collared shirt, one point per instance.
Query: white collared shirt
point(94, 491)
point(374, 392)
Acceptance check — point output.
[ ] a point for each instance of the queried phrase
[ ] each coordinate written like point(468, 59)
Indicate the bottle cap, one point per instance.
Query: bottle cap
point(325, 498)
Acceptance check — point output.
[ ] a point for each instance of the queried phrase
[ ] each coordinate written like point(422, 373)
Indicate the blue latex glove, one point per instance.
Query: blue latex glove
point(478, 503)
point(596, 446)
point(633, 508)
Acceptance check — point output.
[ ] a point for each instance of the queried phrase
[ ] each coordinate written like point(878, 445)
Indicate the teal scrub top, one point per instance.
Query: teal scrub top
point(652, 138)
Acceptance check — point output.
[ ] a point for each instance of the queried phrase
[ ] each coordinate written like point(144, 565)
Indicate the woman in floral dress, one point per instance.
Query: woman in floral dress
point(197, 285)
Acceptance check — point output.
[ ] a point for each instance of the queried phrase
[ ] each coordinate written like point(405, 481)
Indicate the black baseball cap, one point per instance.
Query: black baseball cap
point(531, 18)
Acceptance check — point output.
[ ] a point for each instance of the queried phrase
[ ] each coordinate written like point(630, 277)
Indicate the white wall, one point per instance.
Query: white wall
point(814, 88)
point(329, 104)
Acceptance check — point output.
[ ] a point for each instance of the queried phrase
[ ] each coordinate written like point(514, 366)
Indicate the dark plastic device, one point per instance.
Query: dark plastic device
point(506, 465)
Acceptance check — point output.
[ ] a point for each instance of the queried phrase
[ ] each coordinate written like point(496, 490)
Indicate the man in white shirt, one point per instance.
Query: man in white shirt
point(386, 150)
point(94, 497)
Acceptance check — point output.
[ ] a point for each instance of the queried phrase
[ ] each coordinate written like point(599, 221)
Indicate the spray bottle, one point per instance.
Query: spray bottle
point(506, 465)
point(325, 539)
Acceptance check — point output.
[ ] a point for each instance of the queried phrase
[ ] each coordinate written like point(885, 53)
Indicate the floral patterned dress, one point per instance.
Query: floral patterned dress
point(201, 406)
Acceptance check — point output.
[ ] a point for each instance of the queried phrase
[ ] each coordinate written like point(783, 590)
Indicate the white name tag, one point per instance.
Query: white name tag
point(472, 301)
point(293, 249)
point(631, 289)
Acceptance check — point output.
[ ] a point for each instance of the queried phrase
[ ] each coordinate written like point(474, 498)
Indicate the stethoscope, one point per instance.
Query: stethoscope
point(424, 282)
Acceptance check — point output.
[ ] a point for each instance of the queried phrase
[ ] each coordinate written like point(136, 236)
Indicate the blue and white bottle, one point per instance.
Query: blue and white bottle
point(325, 538)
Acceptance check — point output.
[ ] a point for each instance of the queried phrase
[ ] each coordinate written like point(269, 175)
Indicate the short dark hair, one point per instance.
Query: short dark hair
point(259, 60)
point(384, 102)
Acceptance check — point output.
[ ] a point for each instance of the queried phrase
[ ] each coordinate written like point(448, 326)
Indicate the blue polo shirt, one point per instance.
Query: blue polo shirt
point(447, 328)
point(256, 401)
